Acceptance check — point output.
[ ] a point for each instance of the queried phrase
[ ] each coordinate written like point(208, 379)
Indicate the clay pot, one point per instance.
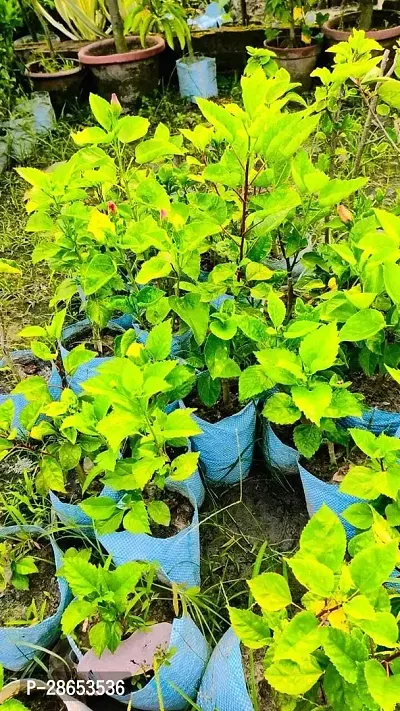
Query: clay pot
point(129, 75)
point(62, 86)
point(298, 61)
point(16, 687)
point(386, 37)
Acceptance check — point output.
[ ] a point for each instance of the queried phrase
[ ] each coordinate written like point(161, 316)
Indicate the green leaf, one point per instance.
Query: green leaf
point(276, 309)
point(281, 409)
point(159, 512)
point(366, 441)
point(384, 689)
point(180, 424)
point(131, 128)
point(184, 466)
point(308, 439)
point(98, 508)
point(194, 313)
point(152, 193)
point(76, 612)
point(34, 176)
point(313, 402)
point(251, 629)
point(77, 357)
point(293, 678)
point(319, 349)
point(382, 629)
point(371, 567)
point(219, 117)
point(32, 332)
point(82, 576)
point(257, 272)
point(105, 635)
point(252, 382)
point(315, 576)
point(159, 341)
point(9, 266)
point(137, 520)
point(34, 388)
point(270, 591)
point(389, 91)
point(154, 268)
point(155, 149)
point(220, 365)
point(40, 350)
point(362, 482)
point(362, 326)
point(359, 515)
point(50, 476)
point(102, 111)
point(92, 134)
point(337, 190)
point(26, 566)
point(97, 272)
point(345, 651)
point(209, 390)
point(391, 276)
point(299, 638)
point(69, 455)
point(324, 526)
point(298, 329)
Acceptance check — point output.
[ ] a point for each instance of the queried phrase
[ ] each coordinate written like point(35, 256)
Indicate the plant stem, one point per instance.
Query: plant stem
point(332, 455)
point(370, 115)
point(245, 197)
point(159, 690)
point(245, 16)
point(254, 696)
point(117, 27)
point(366, 11)
point(226, 393)
point(292, 29)
point(45, 28)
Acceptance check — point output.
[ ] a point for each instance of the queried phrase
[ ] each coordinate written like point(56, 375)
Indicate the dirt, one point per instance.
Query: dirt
point(321, 467)
point(85, 336)
point(43, 588)
point(41, 702)
point(379, 391)
point(265, 696)
point(285, 434)
point(181, 512)
point(218, 411)
point(73, 488)
point(237, 522)
point(25, 366)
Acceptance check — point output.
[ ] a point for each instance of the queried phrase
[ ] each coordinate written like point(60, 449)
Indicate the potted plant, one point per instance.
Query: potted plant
point(342, 609)
point(382, 25)
point(298, 47)
point(122, 65)
point(197, 75)
point(61, 76)
point(126, 639)
point(32, 599)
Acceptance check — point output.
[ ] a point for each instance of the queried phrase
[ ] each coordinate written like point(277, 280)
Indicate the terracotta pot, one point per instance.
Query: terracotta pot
point(128, 75)
point(298, 61)
point(386, 37)
point(17, 687)
point(62, 86)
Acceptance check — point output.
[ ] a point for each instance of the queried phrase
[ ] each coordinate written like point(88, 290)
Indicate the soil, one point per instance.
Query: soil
point(73, 487)
point(321, 467)
point(25, 366)
point(43, 588)
point(41, 702)
point(381, 392)
point(266, 701)
point(285, 434)
point(181, 512)
point(85, 336)
point(218, 411)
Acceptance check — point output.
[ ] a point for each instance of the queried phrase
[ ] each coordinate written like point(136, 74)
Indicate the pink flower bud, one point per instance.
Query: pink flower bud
point(115, 105)
point(163, 214)
point(112, 208)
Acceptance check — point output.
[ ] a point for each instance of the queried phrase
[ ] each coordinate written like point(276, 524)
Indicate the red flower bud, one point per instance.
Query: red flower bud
point(112, 208)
